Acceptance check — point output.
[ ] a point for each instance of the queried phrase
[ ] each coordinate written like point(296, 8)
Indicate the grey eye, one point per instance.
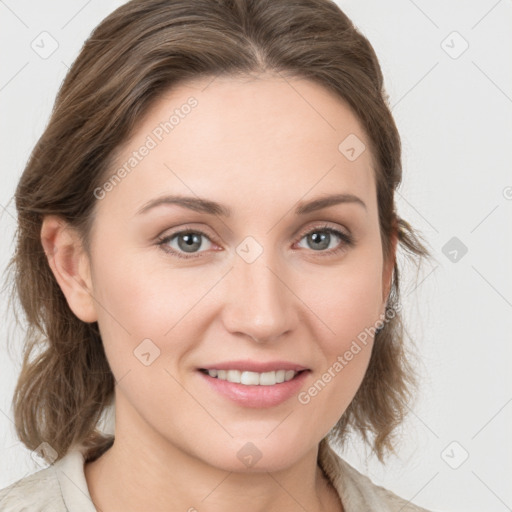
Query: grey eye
point(188, 242)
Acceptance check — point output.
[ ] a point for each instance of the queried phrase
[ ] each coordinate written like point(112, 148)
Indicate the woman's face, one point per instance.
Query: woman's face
point(246, 277)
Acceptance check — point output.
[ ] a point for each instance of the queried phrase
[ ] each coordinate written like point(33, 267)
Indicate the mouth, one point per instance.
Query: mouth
point(255, 384)
point(250, 378)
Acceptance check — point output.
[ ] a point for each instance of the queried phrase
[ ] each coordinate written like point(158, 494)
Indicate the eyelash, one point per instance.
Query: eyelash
point(347, 241)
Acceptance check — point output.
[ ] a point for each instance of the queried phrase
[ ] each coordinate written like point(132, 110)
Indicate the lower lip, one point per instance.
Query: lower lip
point(257, 396)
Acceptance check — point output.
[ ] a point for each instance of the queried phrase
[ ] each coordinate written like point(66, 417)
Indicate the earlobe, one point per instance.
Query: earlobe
point(70, 265)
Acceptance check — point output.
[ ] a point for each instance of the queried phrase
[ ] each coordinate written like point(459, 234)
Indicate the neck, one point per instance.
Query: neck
point(146, 472)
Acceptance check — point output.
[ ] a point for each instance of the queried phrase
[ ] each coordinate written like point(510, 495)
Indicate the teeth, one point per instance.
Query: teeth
point(267, 379)
point(280, 376)
point(254, 378)
point(289, 374)
point(250, 378)
point(233, 376)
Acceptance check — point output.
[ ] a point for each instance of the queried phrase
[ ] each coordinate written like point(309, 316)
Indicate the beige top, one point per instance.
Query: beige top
point(62, 487)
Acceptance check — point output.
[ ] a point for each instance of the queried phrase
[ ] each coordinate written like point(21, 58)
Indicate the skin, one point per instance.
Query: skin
point(258, 146)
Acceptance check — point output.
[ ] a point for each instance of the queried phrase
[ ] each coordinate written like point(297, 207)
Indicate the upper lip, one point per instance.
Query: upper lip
point(255, 366)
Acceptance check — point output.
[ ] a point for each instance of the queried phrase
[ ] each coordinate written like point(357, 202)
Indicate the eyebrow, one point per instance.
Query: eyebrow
point(200, 205)
point(330, 200)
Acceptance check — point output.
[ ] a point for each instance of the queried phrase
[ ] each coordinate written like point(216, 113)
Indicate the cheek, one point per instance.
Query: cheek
point(135, 298)
point(137, 301)
point(348, 300)
point(349, 304)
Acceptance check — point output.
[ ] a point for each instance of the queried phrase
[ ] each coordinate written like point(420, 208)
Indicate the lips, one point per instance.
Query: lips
point(255, 384)
point(255, 366)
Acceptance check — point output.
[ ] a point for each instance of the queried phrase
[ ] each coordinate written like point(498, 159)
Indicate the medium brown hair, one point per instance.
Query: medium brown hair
point(137, 53)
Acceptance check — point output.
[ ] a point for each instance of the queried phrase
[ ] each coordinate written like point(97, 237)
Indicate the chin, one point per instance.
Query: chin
point(256, 455)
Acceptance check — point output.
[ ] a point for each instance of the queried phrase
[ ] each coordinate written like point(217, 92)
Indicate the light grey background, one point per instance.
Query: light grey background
point(454, 112)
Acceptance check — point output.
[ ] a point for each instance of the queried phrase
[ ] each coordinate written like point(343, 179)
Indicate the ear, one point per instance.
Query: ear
point(387, 273)
point(70, 265)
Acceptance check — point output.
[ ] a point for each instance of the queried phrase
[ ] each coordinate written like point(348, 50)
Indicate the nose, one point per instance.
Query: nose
point(259, 303)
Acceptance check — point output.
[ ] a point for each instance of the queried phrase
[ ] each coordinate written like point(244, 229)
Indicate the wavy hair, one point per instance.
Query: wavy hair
point(132, 57)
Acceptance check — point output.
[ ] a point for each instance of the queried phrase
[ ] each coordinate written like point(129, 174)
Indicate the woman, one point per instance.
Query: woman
point(207, 242)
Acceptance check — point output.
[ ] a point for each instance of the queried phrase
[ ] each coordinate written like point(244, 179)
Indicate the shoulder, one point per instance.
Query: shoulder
point(357, 491)
point(387, 499)
point(37, 492)
point(61, 487)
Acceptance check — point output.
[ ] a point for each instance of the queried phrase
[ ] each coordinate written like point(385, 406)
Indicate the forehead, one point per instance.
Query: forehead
point(264, 137)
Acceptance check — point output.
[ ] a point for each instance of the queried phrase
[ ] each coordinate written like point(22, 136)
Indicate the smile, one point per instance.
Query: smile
point(252, 378)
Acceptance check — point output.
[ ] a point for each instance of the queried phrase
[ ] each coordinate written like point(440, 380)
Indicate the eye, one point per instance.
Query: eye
point(185, 244)
point(190, 243)
point(325, 237)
